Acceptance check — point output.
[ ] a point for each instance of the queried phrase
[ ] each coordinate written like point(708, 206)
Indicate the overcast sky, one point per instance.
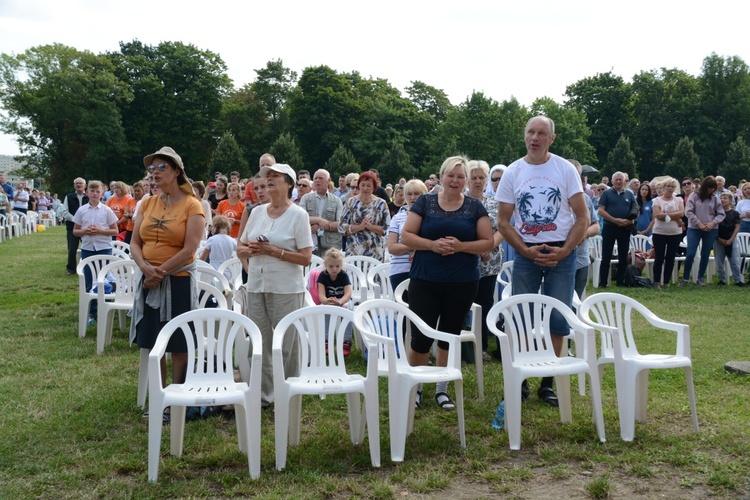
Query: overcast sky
point(522, 49)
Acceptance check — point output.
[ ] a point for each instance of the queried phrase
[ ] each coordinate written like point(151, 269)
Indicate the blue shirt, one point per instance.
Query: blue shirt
point(438, 223)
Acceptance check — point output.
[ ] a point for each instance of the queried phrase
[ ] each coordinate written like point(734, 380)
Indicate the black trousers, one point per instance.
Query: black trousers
point(73, 242)
point(610, 234)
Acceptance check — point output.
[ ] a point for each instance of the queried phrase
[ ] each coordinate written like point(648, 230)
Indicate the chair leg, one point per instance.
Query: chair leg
point(143, 378)
point(177, 429)
point(595, 384)
point(399, 402)
point(513, 412)
point(373, 423)
point(626, 401)
point(479, 363)
point(154, 442)
point(691, 395)
point(281, 424)
point(295, 417)
point(354, 410)
point(252, 422)
point(641, 395)
point(459, 386)
point(563, 395)
point(83, 316)
point(101, 329)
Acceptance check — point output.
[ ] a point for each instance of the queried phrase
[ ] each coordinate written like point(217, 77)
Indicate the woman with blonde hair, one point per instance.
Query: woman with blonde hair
point(401, 255)
point(448, 231)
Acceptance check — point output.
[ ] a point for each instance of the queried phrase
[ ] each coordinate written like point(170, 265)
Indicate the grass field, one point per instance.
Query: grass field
point(69, 425)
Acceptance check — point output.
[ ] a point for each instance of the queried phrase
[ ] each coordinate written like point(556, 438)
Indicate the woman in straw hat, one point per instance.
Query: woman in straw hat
point(166, 234)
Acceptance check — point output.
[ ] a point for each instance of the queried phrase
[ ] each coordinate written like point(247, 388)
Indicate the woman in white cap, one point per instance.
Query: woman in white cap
point(278, 243)
point(166, 234)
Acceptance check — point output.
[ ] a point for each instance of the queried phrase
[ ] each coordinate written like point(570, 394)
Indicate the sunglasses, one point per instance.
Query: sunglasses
point(301, 184)
point(161, 167)
point(495, 179)
point(152, 186)
point(687, 183)
point(354, 187)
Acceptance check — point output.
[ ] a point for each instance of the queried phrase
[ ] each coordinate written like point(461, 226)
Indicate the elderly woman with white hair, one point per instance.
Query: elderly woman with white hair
point(448, 231)
point(278, 244)
point(495, 174)
point(491, 262)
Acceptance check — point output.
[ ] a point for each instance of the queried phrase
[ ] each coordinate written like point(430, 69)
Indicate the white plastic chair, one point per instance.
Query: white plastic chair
point(612, 314)
point(363, 262)
point(527, 351)
point(216, 278)
point(379, 281)
point(32, 221)
point(94, 265)
point(121, 245)
point(120, 300)
point(208, 292)
point(504, 279)
point(595, 250)
point(322, 373)
point(232, 267)
point(743, 245)
point(315, 261)
point(642, 243)
point(14, 225)
point(3, 227)
point(210, 336)
point(381, 323)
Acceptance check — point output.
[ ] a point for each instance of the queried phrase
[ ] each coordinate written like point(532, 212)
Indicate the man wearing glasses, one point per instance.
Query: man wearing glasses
point(304, 186)
point(324, 210)
point(72, 203)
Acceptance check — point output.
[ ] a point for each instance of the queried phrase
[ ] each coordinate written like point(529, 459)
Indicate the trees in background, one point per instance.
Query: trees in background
point(65, 107)
point(77, 113)
point(227, 157)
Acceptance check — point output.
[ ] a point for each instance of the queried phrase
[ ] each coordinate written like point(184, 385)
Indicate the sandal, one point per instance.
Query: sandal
point(166, 417)
point(418, 400)
point(445, 402)
point(525, 390)
point(486, 356)
point(548, 396)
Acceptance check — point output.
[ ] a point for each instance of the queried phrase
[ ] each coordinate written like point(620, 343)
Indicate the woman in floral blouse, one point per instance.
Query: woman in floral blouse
point(365, 220)
point(489, 263)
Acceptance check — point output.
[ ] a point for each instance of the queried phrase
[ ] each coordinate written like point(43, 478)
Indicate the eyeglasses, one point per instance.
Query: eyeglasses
point(496, 179)
point(354, 187)
point(161, 167)
point(301, 185)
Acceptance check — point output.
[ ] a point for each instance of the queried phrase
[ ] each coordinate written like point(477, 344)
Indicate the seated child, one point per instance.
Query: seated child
point(220, 246)
point(335, 288)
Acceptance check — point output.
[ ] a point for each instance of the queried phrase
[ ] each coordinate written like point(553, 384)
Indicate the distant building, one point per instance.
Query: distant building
point(8, 165)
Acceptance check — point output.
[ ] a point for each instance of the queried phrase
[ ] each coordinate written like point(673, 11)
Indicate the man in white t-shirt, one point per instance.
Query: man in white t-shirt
point(543, 194)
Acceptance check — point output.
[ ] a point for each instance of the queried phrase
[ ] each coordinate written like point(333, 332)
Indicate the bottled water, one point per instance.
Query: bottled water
point(499, 420)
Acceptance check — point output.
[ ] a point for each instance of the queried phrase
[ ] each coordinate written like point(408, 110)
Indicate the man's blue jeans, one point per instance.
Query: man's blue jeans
point(694, 238)
point(556, 282)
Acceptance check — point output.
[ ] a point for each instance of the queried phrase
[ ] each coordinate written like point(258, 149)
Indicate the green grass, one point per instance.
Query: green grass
point(69, 426)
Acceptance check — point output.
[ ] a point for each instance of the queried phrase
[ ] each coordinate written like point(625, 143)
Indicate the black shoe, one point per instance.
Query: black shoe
point(71, 272)
point(720, 283)
point(548, 396)
point(525, 390)
point(739, 284)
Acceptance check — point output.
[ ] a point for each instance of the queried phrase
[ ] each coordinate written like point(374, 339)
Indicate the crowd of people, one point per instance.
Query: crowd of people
point(449, 234)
